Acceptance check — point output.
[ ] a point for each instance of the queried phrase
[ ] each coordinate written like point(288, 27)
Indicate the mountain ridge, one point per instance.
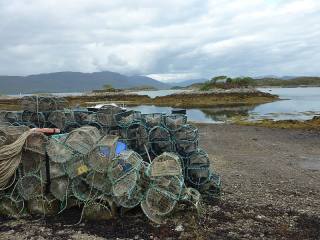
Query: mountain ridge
point(68, 81)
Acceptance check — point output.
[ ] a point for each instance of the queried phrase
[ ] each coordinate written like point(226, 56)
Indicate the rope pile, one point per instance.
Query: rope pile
point(129, 159)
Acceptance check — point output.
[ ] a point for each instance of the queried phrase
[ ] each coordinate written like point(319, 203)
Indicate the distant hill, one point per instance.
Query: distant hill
point(73, 82)
point(289, 81)
point(187, 83)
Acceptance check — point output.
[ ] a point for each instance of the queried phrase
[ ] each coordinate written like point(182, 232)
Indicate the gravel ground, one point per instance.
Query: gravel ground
point(270, 190)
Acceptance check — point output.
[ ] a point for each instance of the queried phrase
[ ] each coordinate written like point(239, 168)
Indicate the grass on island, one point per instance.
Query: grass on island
point(312, 124)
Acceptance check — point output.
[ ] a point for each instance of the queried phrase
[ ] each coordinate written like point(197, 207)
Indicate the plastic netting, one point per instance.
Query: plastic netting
point(136, 136)
point(174, 122)
point(124, 119)
point(198, 171)
point(106, 115)
point(42, 103)
point(123, 173)
point(153, 119)
point(102, 153)
point(87, 167)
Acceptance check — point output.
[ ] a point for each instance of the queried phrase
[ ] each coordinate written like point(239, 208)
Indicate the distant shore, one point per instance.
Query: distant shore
point(187, 99)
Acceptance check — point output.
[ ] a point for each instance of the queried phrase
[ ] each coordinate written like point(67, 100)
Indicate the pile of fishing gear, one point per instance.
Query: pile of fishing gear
point(53, 158)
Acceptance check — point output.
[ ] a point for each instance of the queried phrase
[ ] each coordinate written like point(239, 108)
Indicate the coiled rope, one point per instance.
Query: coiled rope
point(10, 158)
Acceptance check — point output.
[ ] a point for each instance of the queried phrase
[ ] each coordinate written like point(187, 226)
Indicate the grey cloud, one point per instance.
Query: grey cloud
point(164, 39)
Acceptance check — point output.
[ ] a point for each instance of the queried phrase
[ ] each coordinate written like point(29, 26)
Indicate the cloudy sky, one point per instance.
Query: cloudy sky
point(169, 40)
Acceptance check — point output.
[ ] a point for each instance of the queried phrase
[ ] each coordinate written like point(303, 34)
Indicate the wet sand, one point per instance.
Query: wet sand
point(270, 190)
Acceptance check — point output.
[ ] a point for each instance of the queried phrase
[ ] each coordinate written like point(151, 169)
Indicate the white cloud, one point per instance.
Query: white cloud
point(165, 39)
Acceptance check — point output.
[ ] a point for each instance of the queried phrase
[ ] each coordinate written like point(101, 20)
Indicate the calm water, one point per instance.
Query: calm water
point(295, 103)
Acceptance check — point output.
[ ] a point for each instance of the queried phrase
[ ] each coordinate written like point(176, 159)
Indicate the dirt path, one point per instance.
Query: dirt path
point(271, 190)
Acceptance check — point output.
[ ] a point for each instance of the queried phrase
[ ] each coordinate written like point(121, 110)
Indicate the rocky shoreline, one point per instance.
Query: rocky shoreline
point(187, 99)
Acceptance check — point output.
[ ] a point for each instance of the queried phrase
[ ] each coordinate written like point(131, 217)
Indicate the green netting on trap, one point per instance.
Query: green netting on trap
point(136, 136)
point(56, 170)
point(30, 186)
point(174, 122)
point(153, 119)
point(160, 140)
point(103, 152)
point(99, 181)
point(166, 164)
point(123, 172)
point(60, 188)
point(82, 190)
point(9, 134)
point(42, 103)
point(185, 148)
point(11, 205)
point(60, 119)
point(62, 148)
point(186, 132)
point(82, 140)
point(10, 116)
point(106, 115)
point(166, 185)
point(132, 199)
point(124, 119)
point(58, 151)
point(36, 142)
point(38, 119)
point(163, 195)
point(31, 161)
point(44, 205)
point(76, 166)
point(198, 171)
point(97, 210)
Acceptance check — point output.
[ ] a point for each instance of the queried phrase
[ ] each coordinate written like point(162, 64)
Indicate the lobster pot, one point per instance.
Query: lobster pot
point(11, 206)
point(43, 206)
point(160, 140)
point(36, 142)
point(132, 199)
point(192, 196)
point(186, 133)
point(198, 170)
point(162, 197)
point(82, 190)
point(9, 134)
point(124, 119)
point(31, 161)
point(57, 151)
point(167, 164)
point(105, 116)
point(137, 137)
point(82, 116)
point(76, 166)
point(30, 186)
point(174, 122)
point(42, 103)
point(70, 126)
point(82, 140)
point(153, 119)
point(212, 187)
point(59, 119)
point(185, 148)
point(60, 188)
point(101, 155)
point(3, 116)
point(152, 215)
point(26, 116)
point(38, 119)
point(12, 117)
point(99, 181)
point(97, 210)
point(123, 172)
point(56, 170)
